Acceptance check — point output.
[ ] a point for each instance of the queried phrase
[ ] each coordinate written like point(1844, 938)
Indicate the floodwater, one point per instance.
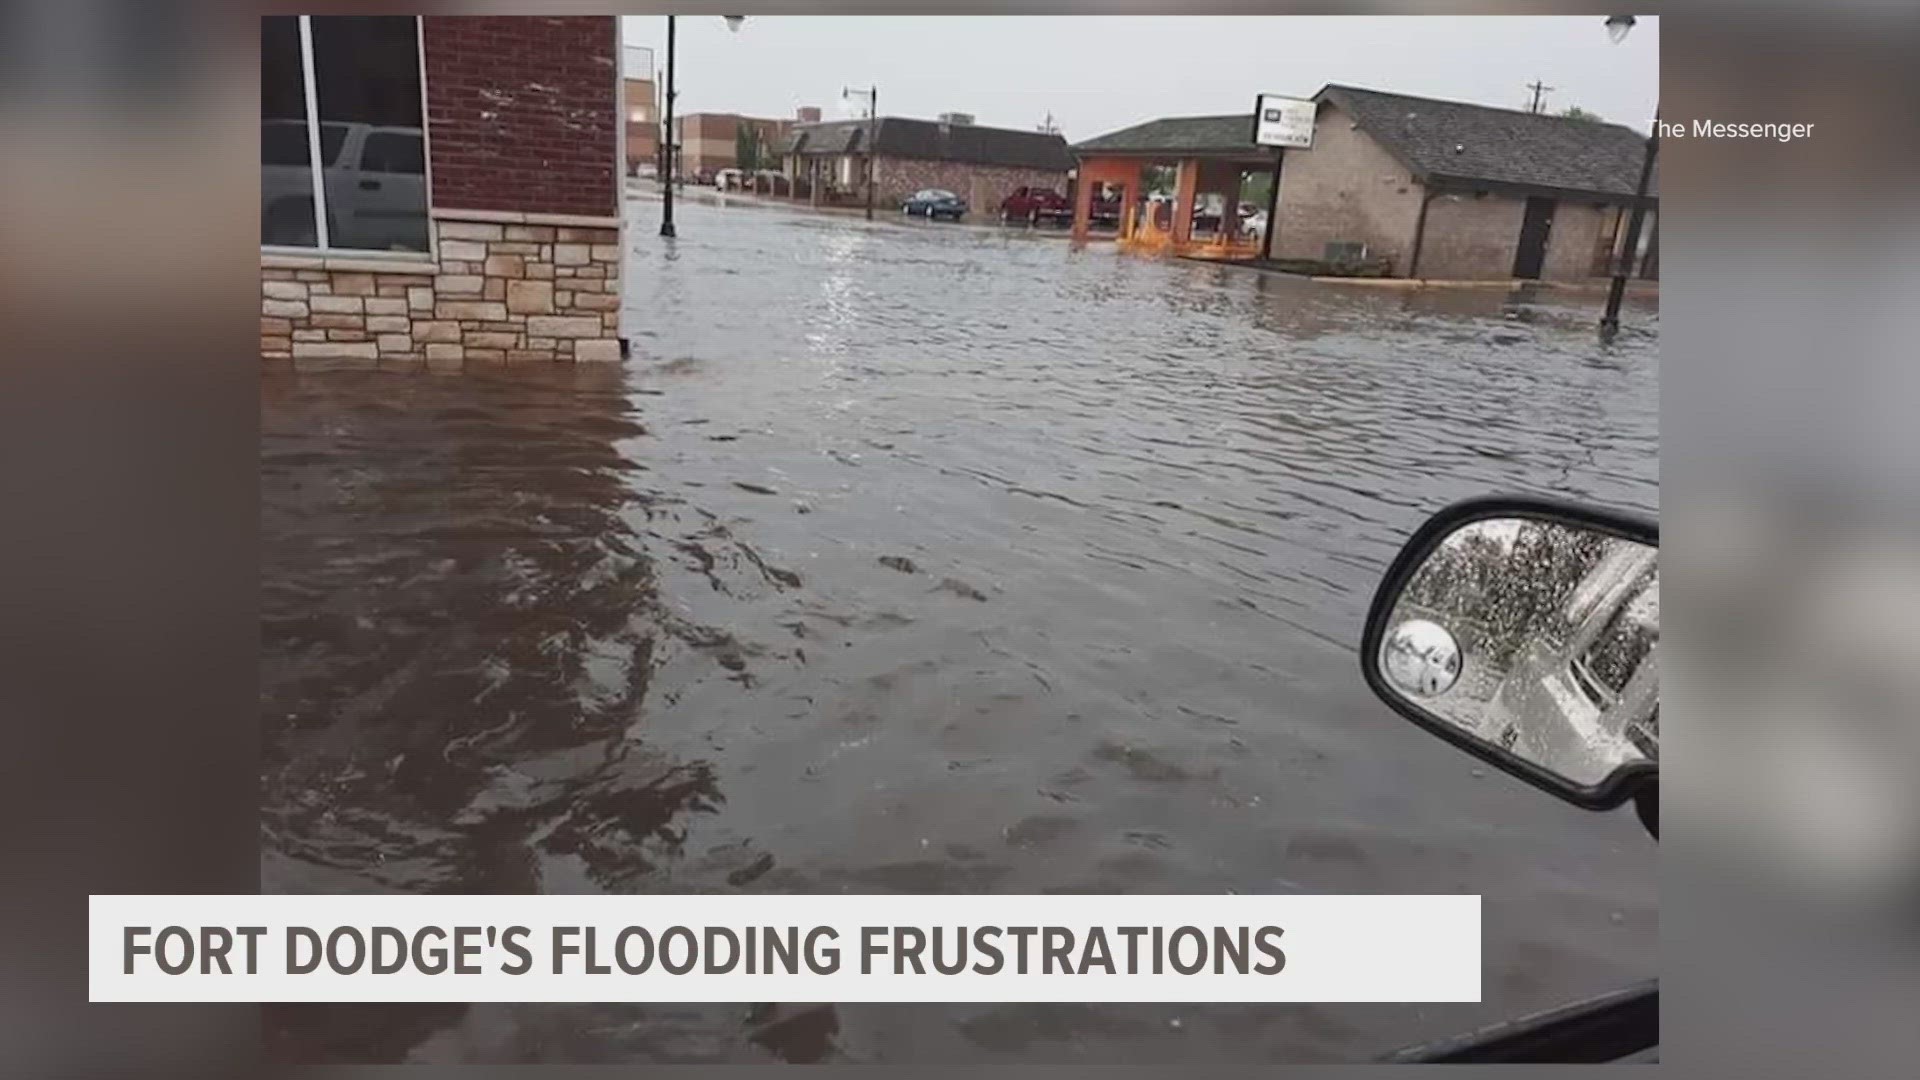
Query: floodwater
point(921, 558)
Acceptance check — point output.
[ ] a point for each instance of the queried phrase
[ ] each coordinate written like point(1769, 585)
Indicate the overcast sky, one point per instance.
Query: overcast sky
point(1097, 74)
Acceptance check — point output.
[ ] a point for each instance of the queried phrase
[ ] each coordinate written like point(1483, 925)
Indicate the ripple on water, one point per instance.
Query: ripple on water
point(907, 559)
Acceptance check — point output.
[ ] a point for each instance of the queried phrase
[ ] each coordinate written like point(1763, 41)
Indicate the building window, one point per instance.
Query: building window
point(340, 117)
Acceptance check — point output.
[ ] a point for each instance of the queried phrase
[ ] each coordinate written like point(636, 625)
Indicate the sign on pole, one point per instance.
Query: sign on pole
point(1283, 121)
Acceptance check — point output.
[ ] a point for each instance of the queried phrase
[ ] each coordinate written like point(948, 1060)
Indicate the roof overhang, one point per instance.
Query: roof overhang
point(1241, 153)
point(1442, 182)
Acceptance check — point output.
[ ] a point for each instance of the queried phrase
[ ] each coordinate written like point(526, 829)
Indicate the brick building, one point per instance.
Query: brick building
point(1436, 189)
point(980, 164)
point(1447, 189)
point(440, 189)
point(710, 142)
point(640, 103)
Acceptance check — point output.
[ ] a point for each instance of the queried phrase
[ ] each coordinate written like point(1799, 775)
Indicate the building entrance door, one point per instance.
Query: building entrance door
point(1534, 228)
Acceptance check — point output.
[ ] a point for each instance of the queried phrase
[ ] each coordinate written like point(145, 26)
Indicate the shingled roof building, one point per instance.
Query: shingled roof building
point(1445, 189)
point(1439, 189)
point(980, 164)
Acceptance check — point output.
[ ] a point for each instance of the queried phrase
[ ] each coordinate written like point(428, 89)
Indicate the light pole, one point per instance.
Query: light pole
point(873, 120)
point(666, 207)
point(1617, 28)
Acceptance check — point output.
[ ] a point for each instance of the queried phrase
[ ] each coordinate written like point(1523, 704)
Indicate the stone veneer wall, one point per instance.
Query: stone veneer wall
point(506, 287)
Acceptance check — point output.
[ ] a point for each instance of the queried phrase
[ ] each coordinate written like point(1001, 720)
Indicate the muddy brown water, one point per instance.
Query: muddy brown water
point(912, 558)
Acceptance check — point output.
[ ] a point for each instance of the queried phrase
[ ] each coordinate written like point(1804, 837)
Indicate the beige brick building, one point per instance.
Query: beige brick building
point(642, 117)
point(1446, 189)
point(1433, 189)
point(710, 142)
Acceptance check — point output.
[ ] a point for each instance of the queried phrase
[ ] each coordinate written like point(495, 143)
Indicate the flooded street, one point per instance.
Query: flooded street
point(914, 558)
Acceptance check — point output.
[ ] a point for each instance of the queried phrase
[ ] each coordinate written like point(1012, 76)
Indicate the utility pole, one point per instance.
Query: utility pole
point(666, 211)
point(1618, 27)
point(1630, 256)
point(1538, 89)
point(873, 122)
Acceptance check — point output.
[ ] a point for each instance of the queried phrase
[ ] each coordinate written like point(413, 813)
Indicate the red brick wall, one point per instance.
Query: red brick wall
point(523, 113)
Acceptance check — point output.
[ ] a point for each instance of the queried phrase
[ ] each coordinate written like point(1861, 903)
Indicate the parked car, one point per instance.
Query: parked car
point(1035, 205)
point(1105, 211)
point(935, 203)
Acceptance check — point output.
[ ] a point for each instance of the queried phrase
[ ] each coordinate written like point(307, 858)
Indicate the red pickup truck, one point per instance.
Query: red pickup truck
point(1035, 205)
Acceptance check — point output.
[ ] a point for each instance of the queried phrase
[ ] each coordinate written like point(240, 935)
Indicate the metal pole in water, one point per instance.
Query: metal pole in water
point(666, 212)
point(1630, 253)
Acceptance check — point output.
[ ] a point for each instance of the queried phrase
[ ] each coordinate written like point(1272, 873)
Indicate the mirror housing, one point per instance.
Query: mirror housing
point(1563, 692)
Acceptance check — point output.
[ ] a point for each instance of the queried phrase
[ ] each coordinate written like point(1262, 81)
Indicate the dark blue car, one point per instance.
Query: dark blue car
point(935, 203)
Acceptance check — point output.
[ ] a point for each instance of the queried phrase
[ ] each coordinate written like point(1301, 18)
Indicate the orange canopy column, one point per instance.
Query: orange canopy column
point(1185, 188)
point(1210, 151)
point(1082, 202)
point(1094, 171)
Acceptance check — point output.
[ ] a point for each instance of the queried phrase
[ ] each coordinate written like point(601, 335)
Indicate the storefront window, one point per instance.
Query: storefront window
point(286, 165)
point(351, 85)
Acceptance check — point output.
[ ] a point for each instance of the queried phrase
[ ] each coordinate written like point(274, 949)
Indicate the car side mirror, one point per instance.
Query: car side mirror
point(1526, 631)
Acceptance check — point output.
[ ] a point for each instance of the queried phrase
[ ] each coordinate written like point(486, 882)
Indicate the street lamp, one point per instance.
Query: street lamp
point(666, 211)
point(1617, 28)
point(872, 94)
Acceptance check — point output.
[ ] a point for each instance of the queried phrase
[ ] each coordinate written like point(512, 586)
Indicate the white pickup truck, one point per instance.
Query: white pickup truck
point(376, 182)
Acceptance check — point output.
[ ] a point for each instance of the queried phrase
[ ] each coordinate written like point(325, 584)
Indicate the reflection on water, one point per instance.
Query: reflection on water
point(912, 560)
point(453, 665)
